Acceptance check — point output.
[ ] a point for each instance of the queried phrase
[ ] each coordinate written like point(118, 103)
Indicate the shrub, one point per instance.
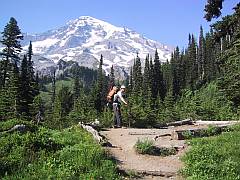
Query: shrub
point(203, 159)
point(51, 154)
point(146, 147)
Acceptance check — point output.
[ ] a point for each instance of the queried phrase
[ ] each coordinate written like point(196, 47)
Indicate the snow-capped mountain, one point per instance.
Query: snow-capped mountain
point(84, 39)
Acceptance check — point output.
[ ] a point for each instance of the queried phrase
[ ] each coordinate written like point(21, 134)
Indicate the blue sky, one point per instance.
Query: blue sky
point(167, 21)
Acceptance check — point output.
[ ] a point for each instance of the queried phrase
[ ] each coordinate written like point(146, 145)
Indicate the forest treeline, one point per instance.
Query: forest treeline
point(200, 81)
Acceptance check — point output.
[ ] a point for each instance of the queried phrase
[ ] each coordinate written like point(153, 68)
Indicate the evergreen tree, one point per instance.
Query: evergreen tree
point(151, 78)
point(137, 76)
point(158, 84)
point(134, 70)
point(167, 74)
point(25, 88)
point(130, 87)
point(12, 47)
point(63, 104)
point(210, 64)
point(99, 89)
point(213, 9)
point(9, 101)
point(32, 78)
point(176, 76)
point(38, 109)
point(229, 80)
point(201, 59)
point(30, 62)
point(1, 73)
point(192, 69)
point(53, 93)
point(111, 77)
point(83, 109)
point(146, 79)
point(76, 86)
point(169, 112)
point(28, 85)
point(182, 70)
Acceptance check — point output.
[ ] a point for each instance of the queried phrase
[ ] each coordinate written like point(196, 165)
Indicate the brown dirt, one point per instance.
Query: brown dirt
point(152, 167)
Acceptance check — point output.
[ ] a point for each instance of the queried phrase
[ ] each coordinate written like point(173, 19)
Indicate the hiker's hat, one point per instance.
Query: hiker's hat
point(123, 87)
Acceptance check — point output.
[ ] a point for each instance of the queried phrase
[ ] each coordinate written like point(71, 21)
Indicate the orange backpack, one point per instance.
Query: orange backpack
point(110, 96)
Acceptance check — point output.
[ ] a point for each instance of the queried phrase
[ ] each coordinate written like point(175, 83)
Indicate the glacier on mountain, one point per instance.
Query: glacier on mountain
point(83, 40)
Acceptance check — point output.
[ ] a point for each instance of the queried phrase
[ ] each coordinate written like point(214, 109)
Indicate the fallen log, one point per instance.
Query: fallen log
point(197, 132)
point(18, 127)
point(200, 122)
point(180, 123)
point(142, 134)
point(91, 130)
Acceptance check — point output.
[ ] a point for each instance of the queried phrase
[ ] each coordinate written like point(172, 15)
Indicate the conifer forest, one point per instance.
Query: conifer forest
point(40, 113)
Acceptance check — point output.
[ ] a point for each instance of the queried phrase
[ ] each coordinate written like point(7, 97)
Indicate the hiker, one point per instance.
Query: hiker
point(110, 97)
point(117, 100)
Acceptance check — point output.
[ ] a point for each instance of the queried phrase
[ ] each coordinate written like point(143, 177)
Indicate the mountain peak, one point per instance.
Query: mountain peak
point(84, 39)
point(91, 21)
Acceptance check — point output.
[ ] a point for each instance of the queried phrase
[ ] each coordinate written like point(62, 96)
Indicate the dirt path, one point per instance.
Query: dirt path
point(124, 139)
point(122, 142)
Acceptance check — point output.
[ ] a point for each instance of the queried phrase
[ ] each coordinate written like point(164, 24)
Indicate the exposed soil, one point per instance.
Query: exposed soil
point(151, 167)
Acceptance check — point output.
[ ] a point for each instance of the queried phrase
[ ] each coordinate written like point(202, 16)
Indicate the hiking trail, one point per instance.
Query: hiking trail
point(122, 141)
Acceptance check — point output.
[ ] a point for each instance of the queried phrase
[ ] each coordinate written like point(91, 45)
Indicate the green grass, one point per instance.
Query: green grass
point(146, 146)
point(214, 157)
point(50, 154)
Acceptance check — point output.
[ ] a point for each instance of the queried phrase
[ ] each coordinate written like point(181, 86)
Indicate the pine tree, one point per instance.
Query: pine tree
point(111, 77)
point(210, 65)
point(146, 79)
point(152, 87)
point(169, 111)
point(63, 103)
point(53, 93)
point(10, 96)
point(191, 63)
point(213, 9)
point(32, 78)
point(11, 40)
point(38, 109)
point(25, 89)
point(1, 73)
point(137, 76)
point(82, 110)
point(176, 76)
point(76, 87)
point(134, 70)
point(229, 80)
point(167, 74)
point(99, 91)
point(182, 70)
point(201, 59)
point(130, 86)
point(30, 62)
point(158, 84)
